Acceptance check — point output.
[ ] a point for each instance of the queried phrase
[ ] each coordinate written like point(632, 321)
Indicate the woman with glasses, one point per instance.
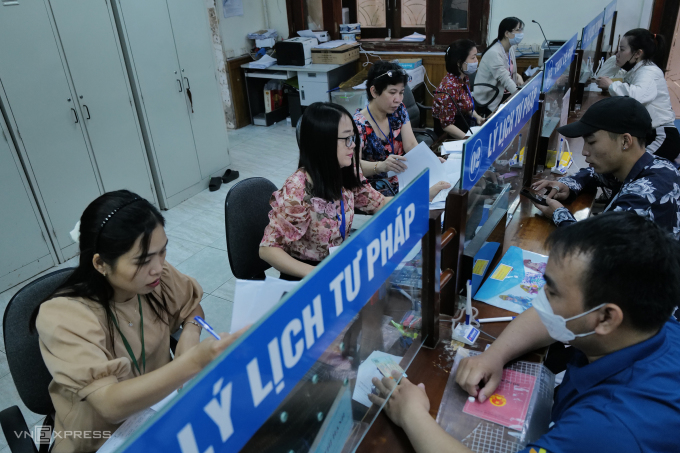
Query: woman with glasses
point(314, 210)
point(385, 128)
point(453, 107)
point(497, 77)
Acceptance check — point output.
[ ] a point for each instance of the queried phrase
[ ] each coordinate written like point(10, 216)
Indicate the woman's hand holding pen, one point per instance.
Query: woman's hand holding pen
point(209, 349)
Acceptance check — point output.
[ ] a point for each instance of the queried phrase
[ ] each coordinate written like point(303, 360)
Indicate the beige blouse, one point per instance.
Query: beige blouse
point(76, 347)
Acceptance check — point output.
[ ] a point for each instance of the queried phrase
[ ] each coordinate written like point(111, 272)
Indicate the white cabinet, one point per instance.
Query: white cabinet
point(64, 88)
point(169, 49)
point(24, 249)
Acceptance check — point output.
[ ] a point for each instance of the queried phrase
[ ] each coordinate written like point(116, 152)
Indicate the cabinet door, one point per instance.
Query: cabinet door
point(22, 242)
point(154, 59)
point(195, 51)
point(41, 104)
point(92, 52)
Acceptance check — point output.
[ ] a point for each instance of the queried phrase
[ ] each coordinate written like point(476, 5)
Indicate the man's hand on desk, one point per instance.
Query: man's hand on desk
point(549, 210)
point(558, 190)
point(483, 369)
point(407, 400)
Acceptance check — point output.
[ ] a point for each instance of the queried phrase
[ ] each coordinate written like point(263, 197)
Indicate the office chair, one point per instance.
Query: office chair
point(246, 215)
point(483, 109)
point(414, 109)
point(26, 364)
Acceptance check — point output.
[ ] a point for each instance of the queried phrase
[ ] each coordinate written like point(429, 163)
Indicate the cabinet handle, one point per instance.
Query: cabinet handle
point(187, 80)
point(88, 111)
point(75, 113)
point(179, 82)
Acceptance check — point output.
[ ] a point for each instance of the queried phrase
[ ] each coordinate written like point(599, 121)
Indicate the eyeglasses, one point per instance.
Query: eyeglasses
point(349, 141)
point(391, 73)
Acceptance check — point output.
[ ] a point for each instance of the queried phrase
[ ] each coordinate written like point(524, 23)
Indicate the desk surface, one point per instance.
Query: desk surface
point(528, 230)
point(309, 68)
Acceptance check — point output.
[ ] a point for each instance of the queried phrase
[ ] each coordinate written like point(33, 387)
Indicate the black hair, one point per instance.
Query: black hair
point(319, 151)
point(456, 54)
point(652, 45)
point(633, 263)
point(110, 237)
point(377, 77)
point(507, 24)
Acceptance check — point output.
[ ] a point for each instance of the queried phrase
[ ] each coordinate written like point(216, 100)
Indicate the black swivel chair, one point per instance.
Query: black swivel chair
point(416, 113)
point(483, 109)
point(26, 364)
point(246, 215)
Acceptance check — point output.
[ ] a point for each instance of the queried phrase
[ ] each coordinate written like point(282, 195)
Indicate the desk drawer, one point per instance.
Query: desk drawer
point(312, 77)
point(311, 92)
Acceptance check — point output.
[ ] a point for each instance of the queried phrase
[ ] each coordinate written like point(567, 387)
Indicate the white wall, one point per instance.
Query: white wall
point(561, 19)
point(235, 29)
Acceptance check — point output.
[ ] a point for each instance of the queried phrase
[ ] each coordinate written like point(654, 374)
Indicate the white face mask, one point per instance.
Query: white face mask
point(556, 324)
point(471, 68)
point(516, 39)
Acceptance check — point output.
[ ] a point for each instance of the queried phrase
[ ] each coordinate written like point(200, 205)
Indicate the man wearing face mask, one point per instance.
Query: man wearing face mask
point(613, 132)
point(639, 53)
point(453, 107)
point(612, 284)
point(497, 77)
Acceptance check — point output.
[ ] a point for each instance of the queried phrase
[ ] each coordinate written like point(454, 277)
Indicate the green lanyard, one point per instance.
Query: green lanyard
point(125, 342)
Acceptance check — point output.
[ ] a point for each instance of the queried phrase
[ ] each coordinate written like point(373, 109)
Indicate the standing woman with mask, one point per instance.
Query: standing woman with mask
point(497, 77)
point(105, 332)
point(639, 52)
point(453, 106)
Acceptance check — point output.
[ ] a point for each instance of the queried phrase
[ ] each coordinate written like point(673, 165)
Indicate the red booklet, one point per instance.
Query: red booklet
point(509, 404)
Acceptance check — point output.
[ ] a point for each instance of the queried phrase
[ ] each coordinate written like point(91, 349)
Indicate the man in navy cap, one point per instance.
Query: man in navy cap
point(614, 131)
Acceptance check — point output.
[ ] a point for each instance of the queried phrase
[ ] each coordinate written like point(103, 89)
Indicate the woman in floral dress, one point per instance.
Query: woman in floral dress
point(314, 210)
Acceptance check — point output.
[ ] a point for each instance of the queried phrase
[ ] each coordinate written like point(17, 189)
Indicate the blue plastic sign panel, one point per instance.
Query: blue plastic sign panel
point(609, 12)
point(558, 63)
point(591, 30)
point(497, 133)
point(232, 398)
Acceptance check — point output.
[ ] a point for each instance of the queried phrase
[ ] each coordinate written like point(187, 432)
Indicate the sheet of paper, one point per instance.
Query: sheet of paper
point(509, 404)
point(119, 436)
point(417, 160)
point(232, 8)
point(415, 37)
point(254, 298)
point(306, 33)
point(367, 371)
point(455, 146)
point(473, 130)
point(263, 63)
point(159, 405)
point(332, 44)
point(452, 169)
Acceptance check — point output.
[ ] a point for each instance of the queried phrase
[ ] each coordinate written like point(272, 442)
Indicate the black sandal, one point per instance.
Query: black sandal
point(215, 183)
point(229, 175)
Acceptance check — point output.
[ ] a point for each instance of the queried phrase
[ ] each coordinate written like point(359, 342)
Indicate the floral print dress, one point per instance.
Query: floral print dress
point(375, 147)
point(453, 96)
point(306, 226)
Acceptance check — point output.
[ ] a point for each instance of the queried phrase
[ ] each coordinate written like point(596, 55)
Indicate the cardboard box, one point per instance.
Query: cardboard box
point(339, 55)
point(410, 63)
point(273, 99)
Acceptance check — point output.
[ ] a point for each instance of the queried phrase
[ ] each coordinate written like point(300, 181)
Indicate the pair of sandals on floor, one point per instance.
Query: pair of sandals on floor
point(217, 181)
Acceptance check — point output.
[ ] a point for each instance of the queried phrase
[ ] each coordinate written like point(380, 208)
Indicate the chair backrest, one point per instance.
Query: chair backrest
point(246, 215)
point(411, 106)
point(26, 364)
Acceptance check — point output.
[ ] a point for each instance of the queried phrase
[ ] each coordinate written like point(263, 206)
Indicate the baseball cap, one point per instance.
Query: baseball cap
point(617, 114)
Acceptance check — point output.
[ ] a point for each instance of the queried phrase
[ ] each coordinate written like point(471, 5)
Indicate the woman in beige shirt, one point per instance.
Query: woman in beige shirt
point(105, 333)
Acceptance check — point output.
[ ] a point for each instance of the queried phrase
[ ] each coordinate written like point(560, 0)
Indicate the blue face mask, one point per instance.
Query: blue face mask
point(516, 39)
point(471, 68)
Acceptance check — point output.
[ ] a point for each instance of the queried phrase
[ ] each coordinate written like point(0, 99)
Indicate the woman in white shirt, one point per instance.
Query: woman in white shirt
point(497, 71)
point(645, 82)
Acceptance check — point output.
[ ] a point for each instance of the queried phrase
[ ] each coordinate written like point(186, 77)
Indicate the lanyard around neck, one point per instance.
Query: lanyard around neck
point(125, 342)
point(390, 139)
point(342, 225)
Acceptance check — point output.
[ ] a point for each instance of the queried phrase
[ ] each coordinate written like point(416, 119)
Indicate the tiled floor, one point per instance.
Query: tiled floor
point(197, 242)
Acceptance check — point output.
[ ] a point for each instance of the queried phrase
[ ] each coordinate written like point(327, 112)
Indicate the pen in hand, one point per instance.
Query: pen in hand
point(207, 327)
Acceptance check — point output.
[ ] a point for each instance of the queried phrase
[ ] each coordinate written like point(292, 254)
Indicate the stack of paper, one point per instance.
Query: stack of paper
point(263, 63)
point(332, 44)
point(254, 298)
point(263, 34)
point(415, 37)
point(417, 160)
point(473, 130)
point(453, 147)
point(452, 168)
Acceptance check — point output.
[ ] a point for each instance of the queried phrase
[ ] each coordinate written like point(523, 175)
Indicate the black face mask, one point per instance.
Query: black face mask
point(627, 66)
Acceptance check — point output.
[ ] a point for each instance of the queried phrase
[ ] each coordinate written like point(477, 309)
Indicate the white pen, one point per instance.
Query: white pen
point(501, 319)
point(207, 327)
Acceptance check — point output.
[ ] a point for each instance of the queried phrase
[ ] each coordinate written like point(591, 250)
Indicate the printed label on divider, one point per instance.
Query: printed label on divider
point(230, 400)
